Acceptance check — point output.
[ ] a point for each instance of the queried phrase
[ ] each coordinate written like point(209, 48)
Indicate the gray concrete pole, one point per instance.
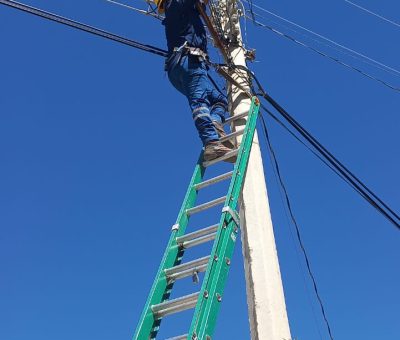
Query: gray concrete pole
point(265, 296)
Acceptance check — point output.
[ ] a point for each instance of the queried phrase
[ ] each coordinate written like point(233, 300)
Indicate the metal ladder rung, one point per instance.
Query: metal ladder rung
point(214, 180)
point(175, 306)
point(187, 269)
point(233, 118)
point(222, 158)
point(205, 206)
point(180, 337)
point(198, 241)
point(197, 237)
point(232, 135)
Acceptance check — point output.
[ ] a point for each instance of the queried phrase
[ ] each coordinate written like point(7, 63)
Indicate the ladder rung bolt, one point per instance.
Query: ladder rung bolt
point(205, 294)
point(215, 258)
point(228, 261)
point(219, 298)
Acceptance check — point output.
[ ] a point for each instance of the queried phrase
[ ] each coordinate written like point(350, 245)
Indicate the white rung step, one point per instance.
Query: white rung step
point(175, 306)
point(233, 118)
point(198, 237)
point(232, 135)
point(187, 269)
point(206, 206)
point(180, 337)
point(214, 180)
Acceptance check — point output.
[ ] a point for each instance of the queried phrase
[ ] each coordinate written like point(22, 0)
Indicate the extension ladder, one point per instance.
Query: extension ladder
point(215, 266)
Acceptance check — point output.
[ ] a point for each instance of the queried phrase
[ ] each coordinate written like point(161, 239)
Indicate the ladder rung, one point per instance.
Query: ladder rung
point(233, 118)
point(197, 237)
point(175, 306)
point(200, 240)
point(205, 206)
point(232, 135)
point(222, 158)
point(180, 337)
point(213, 180)
point(187, 269)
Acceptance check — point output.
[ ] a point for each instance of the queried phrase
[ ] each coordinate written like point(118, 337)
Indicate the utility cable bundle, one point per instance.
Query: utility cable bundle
point(317, 148)
point(83, 27)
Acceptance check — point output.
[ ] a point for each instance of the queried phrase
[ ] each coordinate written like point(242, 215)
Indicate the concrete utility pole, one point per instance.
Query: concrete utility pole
point(265, 296)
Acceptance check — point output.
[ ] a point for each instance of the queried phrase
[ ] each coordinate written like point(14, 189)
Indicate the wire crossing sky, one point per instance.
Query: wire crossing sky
point(373, 13)
point(89, 192)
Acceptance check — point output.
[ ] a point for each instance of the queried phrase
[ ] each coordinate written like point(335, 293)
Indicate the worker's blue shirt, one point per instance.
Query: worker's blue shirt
point(183, 23)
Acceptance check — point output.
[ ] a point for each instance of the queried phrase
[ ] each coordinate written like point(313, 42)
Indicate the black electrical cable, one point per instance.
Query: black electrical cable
point(323, 54)
point(83, 27)
point(338, 167)
point(345, 173)
point(298, 234)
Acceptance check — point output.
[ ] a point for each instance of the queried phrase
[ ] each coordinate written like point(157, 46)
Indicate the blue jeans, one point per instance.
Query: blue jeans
point(189, 76)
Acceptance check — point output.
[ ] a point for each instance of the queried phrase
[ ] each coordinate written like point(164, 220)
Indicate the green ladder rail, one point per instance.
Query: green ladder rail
point(216, 266)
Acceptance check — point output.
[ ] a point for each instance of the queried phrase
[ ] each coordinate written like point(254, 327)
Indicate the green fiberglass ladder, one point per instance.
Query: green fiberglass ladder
point(215, 266)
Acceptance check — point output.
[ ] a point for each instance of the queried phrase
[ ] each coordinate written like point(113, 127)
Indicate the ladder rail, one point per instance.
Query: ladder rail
point(161, 288)
point(216, 266)
point(206, 311)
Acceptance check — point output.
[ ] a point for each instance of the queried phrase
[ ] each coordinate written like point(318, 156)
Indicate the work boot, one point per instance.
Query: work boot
point(215, 149)
point(221, 133)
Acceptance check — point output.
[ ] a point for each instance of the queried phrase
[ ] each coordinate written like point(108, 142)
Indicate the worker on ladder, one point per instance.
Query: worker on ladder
point(187, 71)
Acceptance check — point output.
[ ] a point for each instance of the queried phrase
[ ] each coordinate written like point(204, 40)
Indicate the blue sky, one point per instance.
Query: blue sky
point(97, 149)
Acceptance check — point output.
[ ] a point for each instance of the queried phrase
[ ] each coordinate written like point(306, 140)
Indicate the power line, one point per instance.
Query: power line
point(363, 190)
point(336, 60)
point(83, 27)
point(339, 168)
point(324, 43)
point(373, 13)
point(138, 10)
point(327, 39)
point(294, 221)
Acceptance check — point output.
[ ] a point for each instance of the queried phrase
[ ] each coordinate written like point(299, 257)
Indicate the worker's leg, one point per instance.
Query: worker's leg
point(218, 102)
point(190, 78)
point(197, 93)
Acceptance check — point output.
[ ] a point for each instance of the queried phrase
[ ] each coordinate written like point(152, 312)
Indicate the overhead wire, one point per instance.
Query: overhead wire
point(321, 53)
point(360, 187)
point(141, 11)
point(320, 42)
point(372, 13)
point(83, 27)
point(325, 155)
point(294, 221)
point(288, 224)
point(361, 55)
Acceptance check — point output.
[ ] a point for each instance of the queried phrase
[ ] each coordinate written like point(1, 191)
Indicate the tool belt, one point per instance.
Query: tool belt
point(180, 52)
point(198, 52)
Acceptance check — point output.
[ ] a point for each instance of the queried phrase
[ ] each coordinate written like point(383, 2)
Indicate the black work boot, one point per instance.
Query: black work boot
point(215, 149)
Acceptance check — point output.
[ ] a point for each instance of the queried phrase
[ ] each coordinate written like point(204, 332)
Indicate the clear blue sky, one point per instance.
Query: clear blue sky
point(96, 150)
